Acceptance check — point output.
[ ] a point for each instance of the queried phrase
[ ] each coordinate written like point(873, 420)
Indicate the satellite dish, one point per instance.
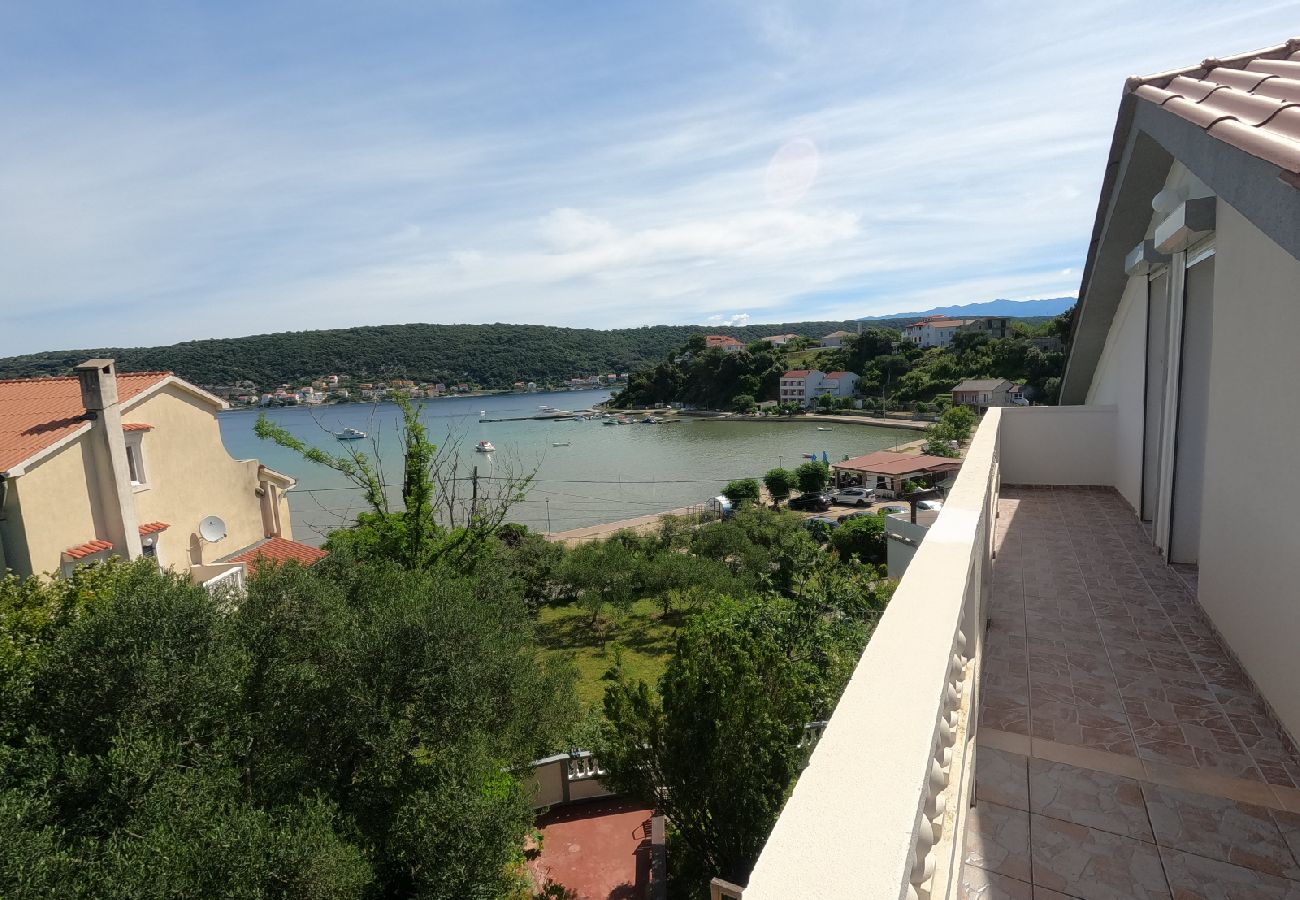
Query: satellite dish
point(212, 529)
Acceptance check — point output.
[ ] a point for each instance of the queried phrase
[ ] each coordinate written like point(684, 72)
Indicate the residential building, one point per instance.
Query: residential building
point(779, 340)
point(722, 342)
point(993, 326)
point(795, 384)
point(1106, 605)
point(104, 464)
point(981, 393)
point(837, 338)
point(934, 331)
point(804, 386)
point(1046, 343)
point(837, 384)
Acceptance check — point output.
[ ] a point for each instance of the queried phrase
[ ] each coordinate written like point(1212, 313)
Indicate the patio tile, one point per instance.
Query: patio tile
point(981, 884)
point(997, 839)
point(1091, 864)
point(1239, 833)
point(1084, 797)
point(1194, 877)
point(1289, 824)
point(1002, 778)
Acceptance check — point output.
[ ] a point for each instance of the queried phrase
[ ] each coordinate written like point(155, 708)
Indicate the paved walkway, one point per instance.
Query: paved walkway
point(599, 850)
point(1123, 752)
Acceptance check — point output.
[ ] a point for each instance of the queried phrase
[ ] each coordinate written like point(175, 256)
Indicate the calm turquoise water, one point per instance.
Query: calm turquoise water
point(605, 474)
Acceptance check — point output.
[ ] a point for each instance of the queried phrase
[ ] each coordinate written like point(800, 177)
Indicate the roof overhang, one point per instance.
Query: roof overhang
point(172, 380)
point(1147, 141)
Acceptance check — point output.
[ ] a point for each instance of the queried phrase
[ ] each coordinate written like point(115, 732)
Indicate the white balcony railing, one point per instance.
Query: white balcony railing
point(880, 810)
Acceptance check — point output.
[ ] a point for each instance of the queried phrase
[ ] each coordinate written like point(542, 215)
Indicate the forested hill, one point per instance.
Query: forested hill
point(489, 355)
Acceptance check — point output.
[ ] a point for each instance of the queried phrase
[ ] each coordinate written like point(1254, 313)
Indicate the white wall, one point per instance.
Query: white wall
point(1058, 445)
point(1250, 539)
point(1119, 382)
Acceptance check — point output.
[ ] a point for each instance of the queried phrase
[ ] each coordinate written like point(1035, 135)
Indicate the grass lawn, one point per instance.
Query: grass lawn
point(803, 359)
point(646, 639)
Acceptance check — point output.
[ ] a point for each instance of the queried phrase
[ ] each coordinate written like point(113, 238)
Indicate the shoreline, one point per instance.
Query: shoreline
point(905, 424)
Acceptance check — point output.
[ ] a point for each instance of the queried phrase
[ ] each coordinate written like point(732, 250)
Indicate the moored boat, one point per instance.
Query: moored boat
point(484, 447)
point(350, 434)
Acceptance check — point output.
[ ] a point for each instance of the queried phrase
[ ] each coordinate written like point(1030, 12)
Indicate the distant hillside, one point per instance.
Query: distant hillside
point(488, 355)
point(1016, 308)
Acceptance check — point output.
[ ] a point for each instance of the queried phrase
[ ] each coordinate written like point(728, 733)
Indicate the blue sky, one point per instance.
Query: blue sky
point(175, 171)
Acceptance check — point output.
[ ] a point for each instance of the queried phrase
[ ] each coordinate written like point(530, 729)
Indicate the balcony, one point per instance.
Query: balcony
point(1059, 721)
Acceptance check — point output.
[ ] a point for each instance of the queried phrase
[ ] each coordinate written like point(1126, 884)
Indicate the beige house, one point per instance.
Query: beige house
point(981, 393)
point(836, 338)
point(131, 465)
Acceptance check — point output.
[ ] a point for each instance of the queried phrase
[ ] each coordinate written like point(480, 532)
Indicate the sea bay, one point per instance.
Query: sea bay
point(600, 473)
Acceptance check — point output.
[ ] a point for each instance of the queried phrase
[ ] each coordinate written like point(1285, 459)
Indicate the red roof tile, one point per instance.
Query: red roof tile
point(278, 549)
point(37, 413)
point(836, 374)
point(153, 528)
point(83, 550)
point(886, 462)
point(797, 373)
point(1251, 101)
point(136, 426)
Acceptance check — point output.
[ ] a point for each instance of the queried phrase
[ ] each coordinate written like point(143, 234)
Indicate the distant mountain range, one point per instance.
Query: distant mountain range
point(1019, 308)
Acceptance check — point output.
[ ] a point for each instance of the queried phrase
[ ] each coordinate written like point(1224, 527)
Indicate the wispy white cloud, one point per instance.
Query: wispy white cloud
point(788, 160)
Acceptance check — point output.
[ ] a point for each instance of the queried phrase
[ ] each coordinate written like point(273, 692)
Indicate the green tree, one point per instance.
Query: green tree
point(719, 747)
point(742, 491)
point(813, 476)
point(960, 421)
point(779, 484)
point(347, 730)
point(861, 538)
point(743, 403)
point(939, 438)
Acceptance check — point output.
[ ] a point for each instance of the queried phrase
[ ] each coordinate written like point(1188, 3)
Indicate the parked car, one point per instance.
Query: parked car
point(820, 523)
point(853, 496)
point(933, 505)
point(1019, 401)
point(856, 514)
point(818, 502)
point(890, 510)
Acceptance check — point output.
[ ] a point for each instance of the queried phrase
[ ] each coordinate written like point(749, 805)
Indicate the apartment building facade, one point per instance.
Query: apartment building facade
point(804, 386)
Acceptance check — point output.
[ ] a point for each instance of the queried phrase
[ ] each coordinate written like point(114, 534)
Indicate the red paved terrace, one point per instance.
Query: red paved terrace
point(599, 850)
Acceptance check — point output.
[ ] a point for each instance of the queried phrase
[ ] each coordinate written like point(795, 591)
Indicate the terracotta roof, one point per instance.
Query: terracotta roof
point(1251, 101)
point(836, 374)
point(37, 413)
point(886, 462)
point(136, 426)
point(279, 550)
point(797, 373)
point(83, 550)
point(153, 528)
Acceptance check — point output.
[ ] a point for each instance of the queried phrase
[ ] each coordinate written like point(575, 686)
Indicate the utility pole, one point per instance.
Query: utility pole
point(473, 502)
point(548, 514)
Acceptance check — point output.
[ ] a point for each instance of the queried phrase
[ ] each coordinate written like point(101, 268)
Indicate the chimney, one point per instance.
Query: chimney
point(115, 496)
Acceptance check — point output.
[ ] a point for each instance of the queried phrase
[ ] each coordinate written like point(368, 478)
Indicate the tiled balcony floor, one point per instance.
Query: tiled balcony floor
point(1123, 752)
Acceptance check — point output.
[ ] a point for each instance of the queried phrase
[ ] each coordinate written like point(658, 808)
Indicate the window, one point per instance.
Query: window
point(135, 463)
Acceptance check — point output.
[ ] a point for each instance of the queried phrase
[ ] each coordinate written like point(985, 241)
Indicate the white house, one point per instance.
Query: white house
point(981, 393)
point(804, 386)
point(934, 331)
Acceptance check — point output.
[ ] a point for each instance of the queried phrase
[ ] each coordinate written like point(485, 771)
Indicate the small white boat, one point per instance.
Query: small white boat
point(610, 422)
point(350, 434)
point(560, 443)
point(819, 428)
point(484, 447)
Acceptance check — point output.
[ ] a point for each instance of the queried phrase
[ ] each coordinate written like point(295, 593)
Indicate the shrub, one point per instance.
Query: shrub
point(779, 484)
point(813, 476)
point(742, 491)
